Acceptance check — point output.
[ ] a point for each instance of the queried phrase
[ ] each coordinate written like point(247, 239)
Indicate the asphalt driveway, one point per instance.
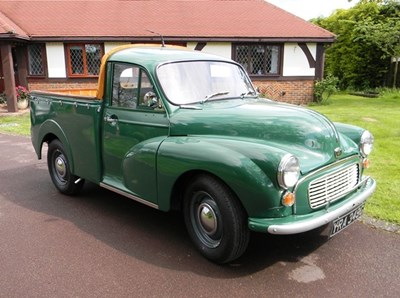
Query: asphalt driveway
point(99, 244)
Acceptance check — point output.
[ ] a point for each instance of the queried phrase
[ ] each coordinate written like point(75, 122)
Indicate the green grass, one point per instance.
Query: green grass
point(17, 125)
point(381, 116)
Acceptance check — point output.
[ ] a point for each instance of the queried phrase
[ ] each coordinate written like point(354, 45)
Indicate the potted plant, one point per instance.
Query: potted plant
point(22, 97)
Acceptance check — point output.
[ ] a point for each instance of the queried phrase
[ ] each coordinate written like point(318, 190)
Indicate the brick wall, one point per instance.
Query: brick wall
point(294, 92)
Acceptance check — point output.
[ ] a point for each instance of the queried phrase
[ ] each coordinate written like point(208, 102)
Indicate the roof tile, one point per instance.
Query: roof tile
point(231, 19)
point(7, 27)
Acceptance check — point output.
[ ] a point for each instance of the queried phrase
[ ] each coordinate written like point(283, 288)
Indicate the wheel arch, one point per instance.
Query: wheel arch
point(181, 159)
point(49, 131)
point(180, 185)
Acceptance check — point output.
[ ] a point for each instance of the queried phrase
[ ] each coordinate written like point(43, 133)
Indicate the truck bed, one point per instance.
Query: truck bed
point(76, 121)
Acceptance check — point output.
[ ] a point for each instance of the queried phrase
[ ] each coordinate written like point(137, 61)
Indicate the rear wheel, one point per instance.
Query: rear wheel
point(215, 220)
point(59, 169)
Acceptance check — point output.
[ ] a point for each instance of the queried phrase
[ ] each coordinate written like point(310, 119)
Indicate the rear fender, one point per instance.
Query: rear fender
point(48, 128)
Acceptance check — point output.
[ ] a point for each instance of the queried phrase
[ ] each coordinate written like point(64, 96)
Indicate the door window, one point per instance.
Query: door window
point(132, 88)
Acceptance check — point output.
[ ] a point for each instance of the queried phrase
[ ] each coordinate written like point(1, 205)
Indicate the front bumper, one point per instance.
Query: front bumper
point(295, 224)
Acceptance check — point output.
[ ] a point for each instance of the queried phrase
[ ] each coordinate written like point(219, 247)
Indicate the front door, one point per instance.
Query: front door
point(135, 124)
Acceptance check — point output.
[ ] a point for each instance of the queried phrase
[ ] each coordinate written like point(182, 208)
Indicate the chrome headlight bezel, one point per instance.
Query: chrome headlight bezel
point(288, 171)
point(366, 143)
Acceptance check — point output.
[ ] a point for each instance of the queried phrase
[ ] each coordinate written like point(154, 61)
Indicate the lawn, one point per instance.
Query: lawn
point(17, 125)
point(379, 115)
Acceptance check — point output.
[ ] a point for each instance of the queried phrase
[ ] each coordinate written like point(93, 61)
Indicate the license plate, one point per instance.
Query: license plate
point(344, 221)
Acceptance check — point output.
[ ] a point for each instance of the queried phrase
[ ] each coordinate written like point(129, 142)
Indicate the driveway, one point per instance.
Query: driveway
point(99, 244)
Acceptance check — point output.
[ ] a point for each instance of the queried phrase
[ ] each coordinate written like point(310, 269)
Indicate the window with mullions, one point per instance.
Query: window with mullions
point(259, 59)
point(36, 60)
point(84, 59)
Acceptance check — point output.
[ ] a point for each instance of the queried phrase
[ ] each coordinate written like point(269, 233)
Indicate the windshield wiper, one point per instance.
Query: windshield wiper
point(253, 93)
point(214, 95)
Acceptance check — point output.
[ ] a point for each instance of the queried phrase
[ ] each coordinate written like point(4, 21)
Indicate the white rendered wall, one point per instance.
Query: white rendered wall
point(295, 62)
point(222, 49)
point(56, 60)
point(110, 45)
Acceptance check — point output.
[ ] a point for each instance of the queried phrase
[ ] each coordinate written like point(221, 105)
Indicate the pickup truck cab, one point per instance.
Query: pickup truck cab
point(178, 129)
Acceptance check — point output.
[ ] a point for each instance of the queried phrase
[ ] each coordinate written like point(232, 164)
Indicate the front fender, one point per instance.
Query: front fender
point(248, 168)
point(351, 131)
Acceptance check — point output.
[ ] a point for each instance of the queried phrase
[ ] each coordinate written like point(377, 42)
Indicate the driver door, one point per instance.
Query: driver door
point(134, 125)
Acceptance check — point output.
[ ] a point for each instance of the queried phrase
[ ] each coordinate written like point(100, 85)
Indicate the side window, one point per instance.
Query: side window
point(84, 59)
point(36, 60)
point(132, 88)
point(125, 86)
point(147, 97)
point(259, 59)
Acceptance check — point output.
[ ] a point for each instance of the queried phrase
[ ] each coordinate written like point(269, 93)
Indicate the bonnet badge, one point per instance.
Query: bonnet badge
point(338, 151)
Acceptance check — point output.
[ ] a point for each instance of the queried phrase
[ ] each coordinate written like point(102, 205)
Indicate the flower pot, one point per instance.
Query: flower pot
point(22, 104)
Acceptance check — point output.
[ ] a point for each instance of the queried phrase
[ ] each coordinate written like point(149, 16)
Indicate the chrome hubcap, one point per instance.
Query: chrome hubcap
point(207, 218)
point(60, 166)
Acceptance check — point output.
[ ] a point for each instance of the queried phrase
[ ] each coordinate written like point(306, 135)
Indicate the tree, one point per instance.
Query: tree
point(358, 62)
point(385, 35)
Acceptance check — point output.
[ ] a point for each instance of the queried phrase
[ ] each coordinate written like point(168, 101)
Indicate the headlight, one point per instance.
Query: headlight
point(288, 171)
point(366, 143)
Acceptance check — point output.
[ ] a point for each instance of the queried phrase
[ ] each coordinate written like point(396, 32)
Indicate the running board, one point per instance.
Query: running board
point(128, 195)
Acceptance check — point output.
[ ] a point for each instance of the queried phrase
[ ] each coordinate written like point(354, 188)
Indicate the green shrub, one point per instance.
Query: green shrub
point(324, 88)
point(3, 98)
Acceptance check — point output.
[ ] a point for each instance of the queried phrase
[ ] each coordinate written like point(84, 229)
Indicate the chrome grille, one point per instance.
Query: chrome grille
point(333, 186)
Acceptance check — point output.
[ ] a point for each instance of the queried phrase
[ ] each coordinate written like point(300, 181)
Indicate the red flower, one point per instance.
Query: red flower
point(22, 93)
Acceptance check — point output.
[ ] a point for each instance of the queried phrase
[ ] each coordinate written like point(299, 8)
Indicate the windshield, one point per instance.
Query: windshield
point(199, 81)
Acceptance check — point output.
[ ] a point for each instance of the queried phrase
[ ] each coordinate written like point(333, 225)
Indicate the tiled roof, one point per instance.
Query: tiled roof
point(119, 19)
point(9, 28)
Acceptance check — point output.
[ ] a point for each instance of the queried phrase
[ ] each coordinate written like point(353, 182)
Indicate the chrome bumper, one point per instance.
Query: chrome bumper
point(307, 224)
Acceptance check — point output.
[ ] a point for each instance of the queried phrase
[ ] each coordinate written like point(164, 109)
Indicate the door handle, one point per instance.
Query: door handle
point(111, 119)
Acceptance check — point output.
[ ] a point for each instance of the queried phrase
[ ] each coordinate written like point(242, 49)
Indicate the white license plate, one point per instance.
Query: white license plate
point(344, 221)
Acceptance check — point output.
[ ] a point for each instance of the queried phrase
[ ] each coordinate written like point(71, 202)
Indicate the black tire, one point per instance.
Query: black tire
point(215, 220)
point(59, 170)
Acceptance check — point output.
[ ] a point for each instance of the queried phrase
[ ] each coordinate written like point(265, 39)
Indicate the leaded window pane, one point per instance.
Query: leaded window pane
point(93, 58)
point(35, 59)
point(85, 59)
point(242, 56)
point(259, 59)
point(76, 58)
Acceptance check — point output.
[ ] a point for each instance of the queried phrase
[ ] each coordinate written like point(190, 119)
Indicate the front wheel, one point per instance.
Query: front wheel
point(59, 169)
point(215, 220)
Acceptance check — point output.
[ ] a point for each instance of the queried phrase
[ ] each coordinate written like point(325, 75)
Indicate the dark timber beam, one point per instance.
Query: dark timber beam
point(9, 79)
point(306, 51)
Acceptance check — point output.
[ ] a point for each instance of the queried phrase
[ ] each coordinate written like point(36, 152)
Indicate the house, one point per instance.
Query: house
point(58, 44)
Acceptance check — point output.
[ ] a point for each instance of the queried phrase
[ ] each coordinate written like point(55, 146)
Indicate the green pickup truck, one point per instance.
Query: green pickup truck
point(183, 130)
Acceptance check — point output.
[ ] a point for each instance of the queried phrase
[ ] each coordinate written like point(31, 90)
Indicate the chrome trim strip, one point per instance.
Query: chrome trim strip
point(143, 123)
point(310, 224)
point(128, 195)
